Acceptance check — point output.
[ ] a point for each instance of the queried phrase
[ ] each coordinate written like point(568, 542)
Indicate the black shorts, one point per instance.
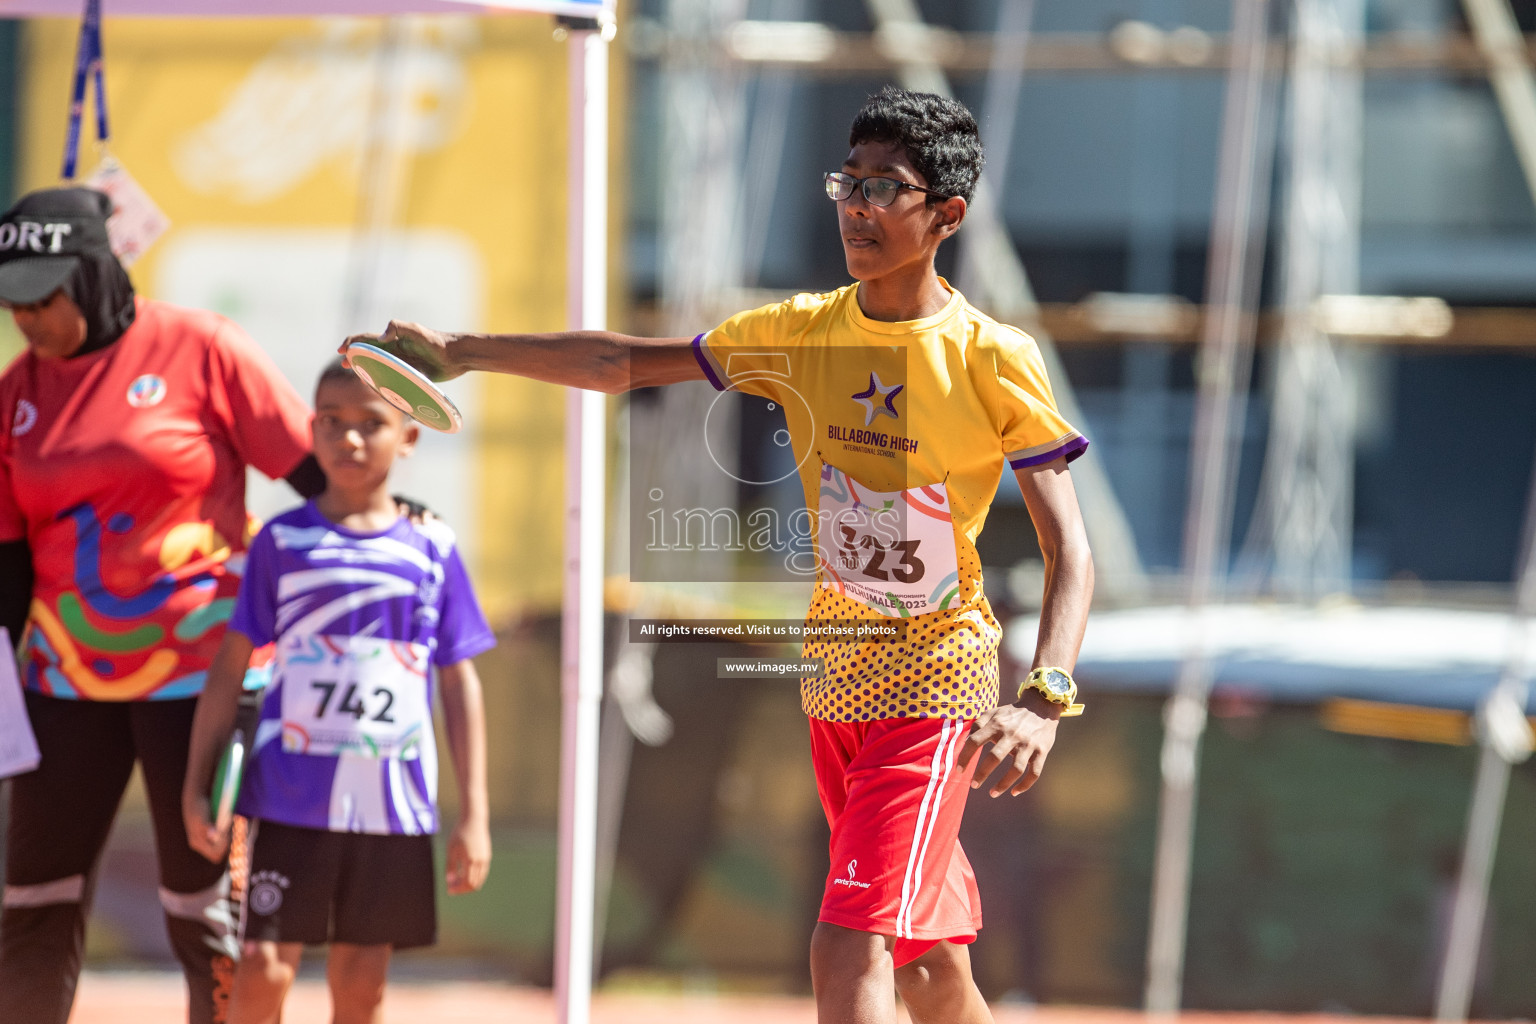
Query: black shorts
point(309, 885)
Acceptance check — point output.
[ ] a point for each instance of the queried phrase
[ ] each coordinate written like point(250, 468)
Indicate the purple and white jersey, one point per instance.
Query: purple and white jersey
point(345, 740)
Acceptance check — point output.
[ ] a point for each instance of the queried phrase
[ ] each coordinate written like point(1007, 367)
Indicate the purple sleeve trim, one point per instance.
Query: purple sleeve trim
point(702, 355)
point(1069, 451)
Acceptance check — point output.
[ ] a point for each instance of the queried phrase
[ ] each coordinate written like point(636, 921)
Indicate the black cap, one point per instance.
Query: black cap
point(43, 236)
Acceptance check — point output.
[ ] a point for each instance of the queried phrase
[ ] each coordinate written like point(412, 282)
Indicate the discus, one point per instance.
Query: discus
point(404, 387)
point(226, 781)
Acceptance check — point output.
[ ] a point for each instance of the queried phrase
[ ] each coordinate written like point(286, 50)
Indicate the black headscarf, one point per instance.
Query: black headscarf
point(100, 287)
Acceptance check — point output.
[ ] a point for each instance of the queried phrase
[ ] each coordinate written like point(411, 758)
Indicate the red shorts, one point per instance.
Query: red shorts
point(894, 797)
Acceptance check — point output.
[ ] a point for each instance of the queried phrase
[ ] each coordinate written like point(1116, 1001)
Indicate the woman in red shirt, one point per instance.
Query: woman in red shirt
point(125, 431)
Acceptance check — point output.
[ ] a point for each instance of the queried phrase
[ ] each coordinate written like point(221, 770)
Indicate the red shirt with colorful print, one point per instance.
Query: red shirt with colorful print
point(124, 470)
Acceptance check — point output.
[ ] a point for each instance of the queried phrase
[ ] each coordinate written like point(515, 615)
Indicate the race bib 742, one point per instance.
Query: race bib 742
point(355, 695)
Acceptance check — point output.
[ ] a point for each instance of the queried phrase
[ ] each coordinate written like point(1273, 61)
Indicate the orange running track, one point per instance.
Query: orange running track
point(111, 998)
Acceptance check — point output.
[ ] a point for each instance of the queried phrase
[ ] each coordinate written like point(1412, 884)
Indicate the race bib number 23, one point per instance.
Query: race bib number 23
point(353, 695)
point(892, 550)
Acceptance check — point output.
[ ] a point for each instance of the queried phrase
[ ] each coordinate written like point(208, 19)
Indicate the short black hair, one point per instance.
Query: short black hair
point(336, 369)
point(939, 135)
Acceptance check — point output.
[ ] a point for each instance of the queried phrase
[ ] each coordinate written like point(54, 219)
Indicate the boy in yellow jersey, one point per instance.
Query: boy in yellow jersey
point(906, 404)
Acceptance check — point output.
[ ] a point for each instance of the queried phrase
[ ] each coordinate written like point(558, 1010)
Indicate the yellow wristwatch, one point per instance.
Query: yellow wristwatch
point(1058, 687)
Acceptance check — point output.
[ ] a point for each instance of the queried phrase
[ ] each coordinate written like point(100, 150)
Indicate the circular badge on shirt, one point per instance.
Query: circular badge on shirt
point(26, 418)
point(146, 391)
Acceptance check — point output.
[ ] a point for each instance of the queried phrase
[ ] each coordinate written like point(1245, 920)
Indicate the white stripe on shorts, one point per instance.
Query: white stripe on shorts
point(948, 753)
point(927, 815)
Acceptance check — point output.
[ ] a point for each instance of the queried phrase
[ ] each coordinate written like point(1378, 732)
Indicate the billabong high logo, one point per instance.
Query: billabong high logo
point(25, 418)
point(850, 880)
point(146, 391)
point(878, 399)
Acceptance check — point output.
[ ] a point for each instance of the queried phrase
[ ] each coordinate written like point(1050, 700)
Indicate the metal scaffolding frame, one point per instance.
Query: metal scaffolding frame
point(1232, 278)
point(1303, 526)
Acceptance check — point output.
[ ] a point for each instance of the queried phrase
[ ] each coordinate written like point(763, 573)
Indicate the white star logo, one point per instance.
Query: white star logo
point(886, 396)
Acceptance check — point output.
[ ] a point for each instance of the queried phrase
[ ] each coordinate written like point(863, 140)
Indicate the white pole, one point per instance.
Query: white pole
point(581, 646)
point(1498, 35)
point(1506, 740)
point(1464, 940)
point(1242, 193)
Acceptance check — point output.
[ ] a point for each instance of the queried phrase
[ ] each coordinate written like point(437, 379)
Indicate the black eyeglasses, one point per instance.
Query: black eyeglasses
point(877, 191)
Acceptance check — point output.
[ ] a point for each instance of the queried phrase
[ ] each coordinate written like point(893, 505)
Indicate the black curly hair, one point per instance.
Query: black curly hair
point(939, 135)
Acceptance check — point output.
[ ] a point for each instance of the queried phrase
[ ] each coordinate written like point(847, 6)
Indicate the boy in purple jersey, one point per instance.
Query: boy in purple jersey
point(341, 787)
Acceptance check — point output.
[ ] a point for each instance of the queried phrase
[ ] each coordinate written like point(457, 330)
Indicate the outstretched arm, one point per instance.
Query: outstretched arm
point(595, 360)
point(1022, 733)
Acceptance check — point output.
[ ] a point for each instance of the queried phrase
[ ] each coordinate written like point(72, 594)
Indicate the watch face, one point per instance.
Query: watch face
point(1058, 682)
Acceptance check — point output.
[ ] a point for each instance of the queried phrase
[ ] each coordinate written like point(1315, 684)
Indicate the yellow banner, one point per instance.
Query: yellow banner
point(322, 176)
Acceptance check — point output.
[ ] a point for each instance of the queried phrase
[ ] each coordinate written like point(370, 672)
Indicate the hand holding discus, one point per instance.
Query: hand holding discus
point(226, 785)
point(208, 817)
point(402, 365)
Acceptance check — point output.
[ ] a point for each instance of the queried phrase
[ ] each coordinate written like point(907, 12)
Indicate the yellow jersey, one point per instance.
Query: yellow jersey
point(934, 408)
